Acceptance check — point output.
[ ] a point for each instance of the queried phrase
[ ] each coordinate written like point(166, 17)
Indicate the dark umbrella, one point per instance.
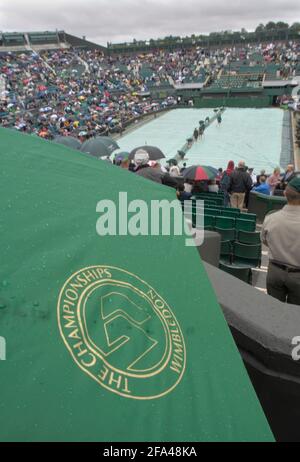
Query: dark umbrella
point(200, 173)
point(95, 147)
point(69, 141)
point(153, 152)
point(110, 143)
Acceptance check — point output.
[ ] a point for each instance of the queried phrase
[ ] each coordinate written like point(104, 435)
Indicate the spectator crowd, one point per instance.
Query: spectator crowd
point(85, 93)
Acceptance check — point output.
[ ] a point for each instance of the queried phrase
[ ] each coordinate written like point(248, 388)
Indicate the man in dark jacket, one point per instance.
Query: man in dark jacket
point(141, 160)
point(143, 168)
point(240, 184)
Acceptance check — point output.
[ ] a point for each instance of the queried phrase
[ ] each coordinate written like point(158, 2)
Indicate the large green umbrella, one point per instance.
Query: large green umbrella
point(100, 345)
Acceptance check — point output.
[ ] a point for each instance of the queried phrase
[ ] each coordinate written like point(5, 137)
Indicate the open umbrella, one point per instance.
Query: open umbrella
point(111, 144)
point(153, 152)
point(200, 173)
point(97, 148)
point(68, 141)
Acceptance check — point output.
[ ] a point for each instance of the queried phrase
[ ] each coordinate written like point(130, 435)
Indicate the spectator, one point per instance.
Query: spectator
point(280, 234)
point(174, 169)
point(262, 173)
point(182, 194)
point(183, 169)
point(220, 174)
point(263, 188)
point(141, 160)
point(225, 182)
point(274, 180)
point(188, 186)
point(213, 187)
point(196, 134)
point(240, 184)
point(253, 177)
point(288, 176)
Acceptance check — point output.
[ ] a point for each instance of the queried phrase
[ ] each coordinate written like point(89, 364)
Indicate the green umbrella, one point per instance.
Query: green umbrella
point(99, 347)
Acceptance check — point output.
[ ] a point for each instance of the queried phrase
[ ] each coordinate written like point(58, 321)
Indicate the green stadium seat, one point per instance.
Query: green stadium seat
point(209, 220)
point(245, 237)
point(226, 252)
point(248, 216)
point(245, 225)
point(209, 202)
point(231, 213)
point(211, 211)
point(246, 255)
point(225, 223)
point(226, 234)
point(244, 274)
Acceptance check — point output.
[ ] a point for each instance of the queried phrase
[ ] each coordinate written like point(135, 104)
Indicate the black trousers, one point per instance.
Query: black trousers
point(283, 285)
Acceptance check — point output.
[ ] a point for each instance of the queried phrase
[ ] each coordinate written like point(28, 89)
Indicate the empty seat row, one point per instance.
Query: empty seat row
point(239, 224)
point(243, 237)
point(239, 259)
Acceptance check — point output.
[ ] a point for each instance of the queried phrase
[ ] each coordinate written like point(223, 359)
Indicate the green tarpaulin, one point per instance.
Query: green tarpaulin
point(107, 338)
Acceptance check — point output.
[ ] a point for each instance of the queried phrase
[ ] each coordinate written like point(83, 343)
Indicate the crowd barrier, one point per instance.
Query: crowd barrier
point(261, 204)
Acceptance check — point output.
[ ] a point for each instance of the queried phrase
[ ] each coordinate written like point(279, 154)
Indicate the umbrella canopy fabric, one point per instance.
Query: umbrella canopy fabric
point(68, 367)
point(154, 152)
point(97, 148)
point(110, 143)
point(200, 173)
point(68, 141)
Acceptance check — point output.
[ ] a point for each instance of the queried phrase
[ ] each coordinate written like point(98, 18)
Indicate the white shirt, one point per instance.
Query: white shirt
point(188, 187)
point(174, 171)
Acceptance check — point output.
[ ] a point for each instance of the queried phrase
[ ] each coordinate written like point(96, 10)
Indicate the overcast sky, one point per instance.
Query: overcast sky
point(120, 20)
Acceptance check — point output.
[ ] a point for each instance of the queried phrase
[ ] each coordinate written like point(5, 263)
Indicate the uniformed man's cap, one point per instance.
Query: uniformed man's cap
point(295, 184)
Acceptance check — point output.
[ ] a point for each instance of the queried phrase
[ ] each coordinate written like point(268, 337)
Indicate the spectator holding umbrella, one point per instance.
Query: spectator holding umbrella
point(141, 160)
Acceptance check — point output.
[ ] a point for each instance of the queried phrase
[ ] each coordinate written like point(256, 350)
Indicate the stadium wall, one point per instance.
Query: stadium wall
point(235, 101)
point(264, 330)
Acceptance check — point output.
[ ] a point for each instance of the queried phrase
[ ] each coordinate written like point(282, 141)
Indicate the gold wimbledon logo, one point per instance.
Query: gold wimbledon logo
point(121, 333)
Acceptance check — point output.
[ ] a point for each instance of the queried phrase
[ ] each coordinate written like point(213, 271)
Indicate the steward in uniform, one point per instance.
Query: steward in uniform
point(280, 233)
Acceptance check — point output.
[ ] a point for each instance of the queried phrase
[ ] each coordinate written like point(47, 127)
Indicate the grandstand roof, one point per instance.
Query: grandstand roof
point(280, 83)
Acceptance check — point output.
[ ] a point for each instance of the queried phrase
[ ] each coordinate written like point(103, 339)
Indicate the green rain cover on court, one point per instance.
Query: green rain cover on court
point(107, 338)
